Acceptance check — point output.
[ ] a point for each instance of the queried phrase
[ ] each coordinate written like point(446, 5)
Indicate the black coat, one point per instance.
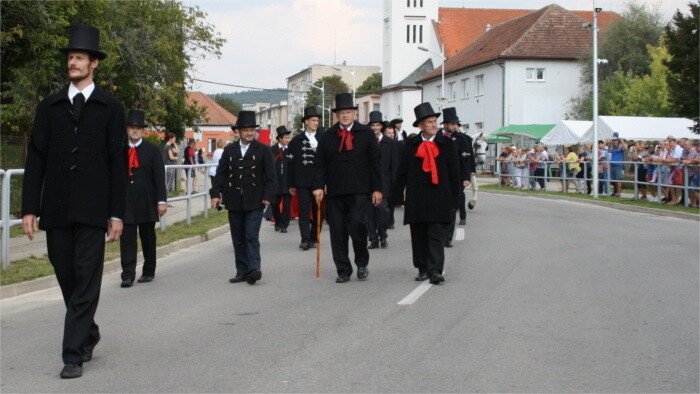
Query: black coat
point(357, 171)
point(146, 186)
point(282, 162)
point(244, 182)
point(426, 202)
point(302, 161)
point(388, 151)
point(75, 172)
point(465, 154)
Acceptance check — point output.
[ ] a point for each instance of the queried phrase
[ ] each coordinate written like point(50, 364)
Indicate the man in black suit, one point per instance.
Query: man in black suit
point(302, 153)
point(348, 166)
point(146, 201)
point(429, 173)
point(378, 217)
point(75, 180)
point(282, 194)
point(245, 183)
point(465, 159)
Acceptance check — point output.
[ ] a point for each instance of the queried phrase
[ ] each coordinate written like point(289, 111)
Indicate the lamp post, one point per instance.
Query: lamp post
point(324, 111)
point(353, 79)
point(596, 61)
point(323, 95)
point(442, 67)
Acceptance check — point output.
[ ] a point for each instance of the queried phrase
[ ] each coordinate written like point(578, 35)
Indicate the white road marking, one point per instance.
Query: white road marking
point(417, 292)
point(459, 234)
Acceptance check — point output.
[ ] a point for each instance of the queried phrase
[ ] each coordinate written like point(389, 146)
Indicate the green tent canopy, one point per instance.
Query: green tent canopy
point(520, 132)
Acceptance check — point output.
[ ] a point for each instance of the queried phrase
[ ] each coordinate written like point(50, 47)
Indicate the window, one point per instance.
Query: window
point(465, 88)
point(479, 126)
point(414, 34)
point(408, 33)
point(534, 74)
point(479, 80)
point(421, 3)
point(420, 34)
point(439, 91)
point(451, 91)
point(408, 3)
point(375, 107)
point(211, 145)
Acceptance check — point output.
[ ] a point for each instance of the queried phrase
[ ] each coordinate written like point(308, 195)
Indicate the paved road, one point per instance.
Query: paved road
point(543, 295)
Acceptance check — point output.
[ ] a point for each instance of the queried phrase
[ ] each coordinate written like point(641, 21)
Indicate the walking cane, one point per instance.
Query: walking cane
point(318, 241)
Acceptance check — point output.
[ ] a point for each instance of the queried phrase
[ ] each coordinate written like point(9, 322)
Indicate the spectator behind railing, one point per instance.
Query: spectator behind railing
point(584, 157)
point(617, 154)
point(537, 162)
point(651, 172)
point(573, 168)
point(692, 157)
point(522, 171)
point(637, 153)
point(603, 165)
point(505, 166)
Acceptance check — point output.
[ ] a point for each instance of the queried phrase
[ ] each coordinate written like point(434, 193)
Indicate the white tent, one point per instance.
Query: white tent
point(566, 132)
point(641, 128)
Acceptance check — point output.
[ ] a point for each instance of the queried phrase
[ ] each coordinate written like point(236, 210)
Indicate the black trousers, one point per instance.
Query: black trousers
point(347, 216)
point(391, 216)
point(281, 216)
point(377, 221)
point(427, 245)
point(77, 256)
point(450, 227)
point(462, 205)
point(307, 207)
point(128, 249)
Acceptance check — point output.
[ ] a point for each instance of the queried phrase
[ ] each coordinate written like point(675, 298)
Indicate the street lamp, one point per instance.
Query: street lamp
point(596, 61)
point(323, 95)
point(324, 111)
point(442, 66)
point(353, 79)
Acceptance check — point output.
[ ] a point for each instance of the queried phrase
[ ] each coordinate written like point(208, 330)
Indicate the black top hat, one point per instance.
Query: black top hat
point(310, 112)
point(136, 118)
point(450, 116)
point(282, 131)
point(84, 38)
point(422, 111)
point(245, 119)
point(375, 117)
point(395, 121)
point(386, 125)
point(344, 101)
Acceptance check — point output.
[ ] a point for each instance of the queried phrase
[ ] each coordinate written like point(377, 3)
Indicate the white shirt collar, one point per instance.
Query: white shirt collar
point(136, 144)
point(379, 138)
point(423, 138)
point(347, 128)
point(72, 91)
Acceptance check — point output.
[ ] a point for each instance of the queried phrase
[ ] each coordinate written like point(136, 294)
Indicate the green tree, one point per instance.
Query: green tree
point(228, 103)
point(372, 84)
point(333, 85)
point(682, 38)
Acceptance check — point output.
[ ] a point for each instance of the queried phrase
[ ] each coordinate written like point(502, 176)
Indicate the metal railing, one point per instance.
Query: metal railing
point(604, 181)
point(6, 221)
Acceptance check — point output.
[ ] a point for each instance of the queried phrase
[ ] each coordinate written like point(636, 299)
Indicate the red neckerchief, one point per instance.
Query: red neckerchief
point(133, 160)
point(346, 138)
point(428, 151)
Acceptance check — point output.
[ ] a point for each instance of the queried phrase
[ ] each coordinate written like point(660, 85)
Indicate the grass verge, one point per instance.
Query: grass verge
point(617, 200)
point(36, 267)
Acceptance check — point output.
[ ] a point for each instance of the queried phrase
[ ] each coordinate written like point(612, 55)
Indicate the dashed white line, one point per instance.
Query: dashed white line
point(459, 234)
point(416, 293)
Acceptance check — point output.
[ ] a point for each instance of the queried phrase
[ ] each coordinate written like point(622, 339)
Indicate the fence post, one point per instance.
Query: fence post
point(635, 180)
point(685, 185)
point(5, 215)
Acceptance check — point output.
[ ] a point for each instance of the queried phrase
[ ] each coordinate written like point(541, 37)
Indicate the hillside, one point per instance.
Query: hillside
point(257, 96)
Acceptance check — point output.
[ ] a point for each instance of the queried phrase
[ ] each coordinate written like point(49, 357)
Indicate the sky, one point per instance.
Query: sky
point(269, 40)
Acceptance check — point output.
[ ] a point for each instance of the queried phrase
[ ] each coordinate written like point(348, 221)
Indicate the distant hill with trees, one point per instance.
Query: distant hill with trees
point(255, 96)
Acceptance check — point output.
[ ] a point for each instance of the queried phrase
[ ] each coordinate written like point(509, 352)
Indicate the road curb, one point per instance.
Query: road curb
point(624, 207)
point(48, 282)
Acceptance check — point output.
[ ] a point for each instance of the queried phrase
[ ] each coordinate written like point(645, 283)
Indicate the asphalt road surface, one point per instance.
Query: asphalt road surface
point(541, 296)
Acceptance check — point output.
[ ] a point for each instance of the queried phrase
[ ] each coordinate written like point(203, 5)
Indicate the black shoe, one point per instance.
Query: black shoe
point(71, 371)
point(146, 278)
point(304, 245)
point(421, 277)
point(373, 245)
point(253, 276)
point(448, 244)
point(470, 205)
point(277, 228)
point(87, 350)
point(462, 222)
point(362, 273)
point(436, 279)
point(391, 227)
point(312, 245)
point(127, 282)
point(384, 244)
point(238, 279)
point(283, 230)
point(342, 279)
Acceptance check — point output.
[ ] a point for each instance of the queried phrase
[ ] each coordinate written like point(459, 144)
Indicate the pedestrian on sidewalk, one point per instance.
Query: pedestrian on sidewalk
point(348, 166)
point(75, 181)
point(429, 174)
point(146, 201)
point(245, 182)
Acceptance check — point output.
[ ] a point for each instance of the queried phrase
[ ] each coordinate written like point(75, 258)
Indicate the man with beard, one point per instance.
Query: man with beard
point(302, 153)
point(75, 180)
point(349, 168)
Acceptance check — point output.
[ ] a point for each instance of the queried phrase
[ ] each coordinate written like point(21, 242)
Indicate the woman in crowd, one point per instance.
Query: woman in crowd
point(220, 145)
point(571, 159)
point(521, 169)
point(638, 153)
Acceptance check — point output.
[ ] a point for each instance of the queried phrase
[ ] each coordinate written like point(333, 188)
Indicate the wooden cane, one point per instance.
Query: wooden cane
point(318, 240)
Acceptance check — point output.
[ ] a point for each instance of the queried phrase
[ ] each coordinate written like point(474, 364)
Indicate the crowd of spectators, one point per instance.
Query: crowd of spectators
point(659, 166)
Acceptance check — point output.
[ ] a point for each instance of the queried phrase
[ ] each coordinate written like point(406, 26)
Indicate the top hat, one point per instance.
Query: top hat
point(375, 117)
point(136, 118)
point(422, 111)
point(245, 119)
point(282, 131)
point(450, 116)
point(344, 101)
point(394, 122)
point(310, 112)
point(84, 38)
